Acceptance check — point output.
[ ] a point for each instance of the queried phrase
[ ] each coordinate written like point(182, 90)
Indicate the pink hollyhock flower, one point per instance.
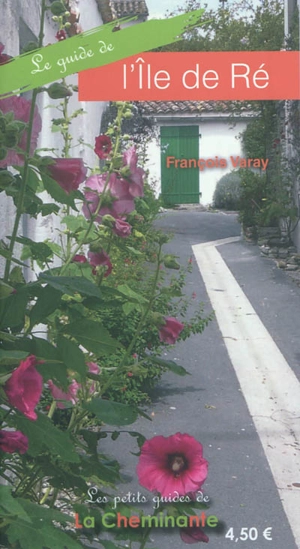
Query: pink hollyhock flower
point(79, 258)
point(122, 228)
point(24, 387)
point(172, 464)
point(68, 173)
point(193, 535)
point(59, 395)
point(100, 258)
point(13, 441)
point(61, 35)
point(21, 109)
point(103, 146)
point(93, 368)
point(4, 58)
point(137, 174)
point(170, 331)
point(116, 199)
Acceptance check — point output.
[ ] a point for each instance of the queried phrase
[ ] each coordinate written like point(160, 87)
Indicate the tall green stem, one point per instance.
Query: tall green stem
point(22, 192)
point(139, 327)
point(94, 216)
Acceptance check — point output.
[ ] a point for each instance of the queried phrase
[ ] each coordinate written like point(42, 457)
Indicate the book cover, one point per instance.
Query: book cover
point(150, 269)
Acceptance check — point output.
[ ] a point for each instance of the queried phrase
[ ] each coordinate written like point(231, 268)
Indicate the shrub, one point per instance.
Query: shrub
point(253, 192)
point(227, 192)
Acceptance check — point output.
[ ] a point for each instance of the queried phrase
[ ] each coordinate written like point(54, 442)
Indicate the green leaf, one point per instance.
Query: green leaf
point(75, 223)
point(57, 193)
point(43, 434)
point(133, 296)
point(170, 365)
point(134, 251)
point(10, 505)
point(47, 209)
point(72, 284)
point(39, 251)
point(52, 367)
point(71, 355)
point(12, 357)
point(129, 307)
point(112, 413)
point(39, 512)
point(13, 308)
point(43, 537)
point(16, 276)
point(5, 290)
point(93, 336)
point(47, 303)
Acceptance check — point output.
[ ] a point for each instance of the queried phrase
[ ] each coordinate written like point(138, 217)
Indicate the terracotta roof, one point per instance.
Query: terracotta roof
point(187, 107)
point(114, 9)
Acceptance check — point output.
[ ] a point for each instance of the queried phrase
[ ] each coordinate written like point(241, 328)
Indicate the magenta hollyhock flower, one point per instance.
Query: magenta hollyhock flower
point(122, 228)
point(60, 395)
point(169, 332)
point(21, 109)
point(136, 177)
point(4, 58)
point(61, 35)
point(13, 441)
point(24, 387)
point(68, 173)
point(102, 259)
point(193, 535)
point(79, 258)
point(103, 146)
point(172, 464)
point(116, 200)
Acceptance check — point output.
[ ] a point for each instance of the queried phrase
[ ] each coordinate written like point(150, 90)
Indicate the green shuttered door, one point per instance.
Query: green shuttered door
point(179, 185)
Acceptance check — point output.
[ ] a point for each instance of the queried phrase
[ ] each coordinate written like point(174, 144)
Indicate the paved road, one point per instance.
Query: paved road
point(242, 399)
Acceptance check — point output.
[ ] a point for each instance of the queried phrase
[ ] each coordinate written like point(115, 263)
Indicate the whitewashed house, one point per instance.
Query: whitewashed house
point(200, 130)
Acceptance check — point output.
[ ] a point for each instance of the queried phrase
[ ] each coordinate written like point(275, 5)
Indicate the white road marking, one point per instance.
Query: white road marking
point(269, 386)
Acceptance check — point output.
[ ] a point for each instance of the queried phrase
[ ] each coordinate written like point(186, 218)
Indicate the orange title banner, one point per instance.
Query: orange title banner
point(180, 76)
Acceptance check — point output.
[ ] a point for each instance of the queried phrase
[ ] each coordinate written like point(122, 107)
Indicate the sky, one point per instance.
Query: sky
point(158, 8)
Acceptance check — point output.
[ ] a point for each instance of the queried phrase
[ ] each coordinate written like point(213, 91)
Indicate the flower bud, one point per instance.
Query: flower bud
point(125, 171)
point(96, 247)
point(57, 8)
point(128, 114)
point(6, 178)
point(156, 319)
point(11, 139)
point(117, 161)
point(170, 262)
point(162, 238)
point(58, 91)
point(108, 221)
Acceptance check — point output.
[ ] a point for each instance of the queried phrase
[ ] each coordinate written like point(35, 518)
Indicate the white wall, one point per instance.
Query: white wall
point(86, 127)
point(219, 139)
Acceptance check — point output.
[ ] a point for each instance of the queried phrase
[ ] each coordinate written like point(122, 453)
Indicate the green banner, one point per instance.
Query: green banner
point(91, 49)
